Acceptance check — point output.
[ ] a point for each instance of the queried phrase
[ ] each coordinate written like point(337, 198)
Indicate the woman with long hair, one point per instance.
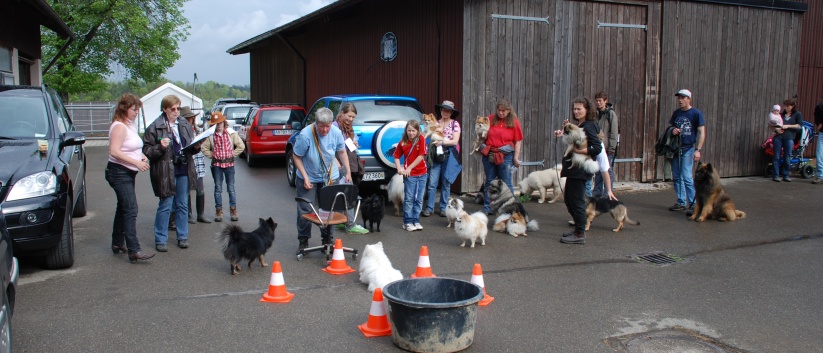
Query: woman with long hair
point(502, 148)
point(126, 159)
point(344, 121)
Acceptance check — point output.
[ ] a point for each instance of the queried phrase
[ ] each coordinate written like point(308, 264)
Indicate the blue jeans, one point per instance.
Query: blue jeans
point(414, 187)
point(683, 179)
point(437, 178)
point(782, 147)
point(588, 187)
point(599, 188)
point(218, 174)
point(180, 202)
point(819, 156)
point(124, 229)
point(502, 171)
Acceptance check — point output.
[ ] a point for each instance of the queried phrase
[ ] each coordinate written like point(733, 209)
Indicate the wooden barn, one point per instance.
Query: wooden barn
point(737, 57)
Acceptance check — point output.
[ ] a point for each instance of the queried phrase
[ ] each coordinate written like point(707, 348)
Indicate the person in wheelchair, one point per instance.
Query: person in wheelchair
point(314, 151)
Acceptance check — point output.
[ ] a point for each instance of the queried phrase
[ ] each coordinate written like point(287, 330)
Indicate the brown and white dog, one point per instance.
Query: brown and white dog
point(481, 128)
point(471, 227)
point(453, 209)
point(433, 129)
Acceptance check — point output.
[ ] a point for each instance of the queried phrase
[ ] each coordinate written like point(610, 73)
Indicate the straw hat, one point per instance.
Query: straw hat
point(216, 118)
point(186, 112)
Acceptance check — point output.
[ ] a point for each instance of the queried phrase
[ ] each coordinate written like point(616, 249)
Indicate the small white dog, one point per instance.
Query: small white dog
point(472, 227)
point(453, 209)
point(541, 180)
point(376, 269)
point(396, 193)
point(574, 136)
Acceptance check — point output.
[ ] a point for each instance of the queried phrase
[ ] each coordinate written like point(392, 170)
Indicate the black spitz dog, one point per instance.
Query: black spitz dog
point(373, 209)
point(238, 245)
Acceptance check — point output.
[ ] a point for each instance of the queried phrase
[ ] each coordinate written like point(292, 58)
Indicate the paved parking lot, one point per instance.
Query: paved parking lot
point(753, 284)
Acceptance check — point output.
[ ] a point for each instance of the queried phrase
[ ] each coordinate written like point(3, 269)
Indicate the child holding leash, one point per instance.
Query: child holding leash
point(414, 172)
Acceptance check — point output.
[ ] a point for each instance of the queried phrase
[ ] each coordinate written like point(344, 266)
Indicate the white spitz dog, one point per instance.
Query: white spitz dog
point(453, 209)
point(396, 193)
point(376, 269)
point(471, 227)
point(542, 180)
point(574, 136)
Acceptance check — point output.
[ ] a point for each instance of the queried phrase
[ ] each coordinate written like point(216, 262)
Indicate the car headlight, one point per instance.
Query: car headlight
point(39, 184)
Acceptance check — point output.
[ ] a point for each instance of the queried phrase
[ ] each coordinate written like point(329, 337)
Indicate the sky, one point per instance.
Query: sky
point(217, 25)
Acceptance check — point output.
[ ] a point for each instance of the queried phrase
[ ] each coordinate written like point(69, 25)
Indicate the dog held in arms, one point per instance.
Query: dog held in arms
point(575, 137)
point(481, 128)
point(453, 208)
point(541, 180)
point(598, 206)
point(433, 129)
point(376, 269)
point(373, 209)
point(711, 200)
point(471, 227)
point(396, 193)
point(238, 245)
point(503, 203)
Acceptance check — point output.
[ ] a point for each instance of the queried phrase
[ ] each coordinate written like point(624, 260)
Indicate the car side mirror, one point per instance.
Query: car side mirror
point(72, 138)
point(296, 125)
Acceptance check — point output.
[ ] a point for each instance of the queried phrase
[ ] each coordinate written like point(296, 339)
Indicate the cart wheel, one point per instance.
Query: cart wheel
point(354, 257)
point(769, 171)
point(807, 171)
point(299, 257)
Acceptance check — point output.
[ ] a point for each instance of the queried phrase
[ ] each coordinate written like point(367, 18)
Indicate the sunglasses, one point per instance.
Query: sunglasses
point(174, 109)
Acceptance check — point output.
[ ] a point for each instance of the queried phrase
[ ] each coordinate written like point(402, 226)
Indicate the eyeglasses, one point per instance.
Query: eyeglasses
point(174, 109)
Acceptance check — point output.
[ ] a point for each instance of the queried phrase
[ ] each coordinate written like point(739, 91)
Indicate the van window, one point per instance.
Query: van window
point(280, 117)
point(385, 110)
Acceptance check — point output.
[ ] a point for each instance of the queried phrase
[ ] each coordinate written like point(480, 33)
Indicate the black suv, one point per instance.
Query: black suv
point(42, 181)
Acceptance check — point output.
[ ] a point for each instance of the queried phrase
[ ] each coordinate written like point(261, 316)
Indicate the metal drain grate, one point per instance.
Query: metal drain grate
point(658, 258)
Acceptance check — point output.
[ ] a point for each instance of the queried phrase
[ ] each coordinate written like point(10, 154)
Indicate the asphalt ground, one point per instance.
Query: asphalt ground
point(754, 284)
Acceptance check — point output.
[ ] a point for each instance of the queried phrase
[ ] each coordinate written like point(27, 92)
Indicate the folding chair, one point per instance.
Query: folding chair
point(330, 210)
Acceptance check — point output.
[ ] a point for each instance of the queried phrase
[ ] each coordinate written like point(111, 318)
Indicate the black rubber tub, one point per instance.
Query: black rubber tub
point(432, 314)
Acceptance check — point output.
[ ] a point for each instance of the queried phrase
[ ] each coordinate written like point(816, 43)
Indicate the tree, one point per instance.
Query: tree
point(140, 36)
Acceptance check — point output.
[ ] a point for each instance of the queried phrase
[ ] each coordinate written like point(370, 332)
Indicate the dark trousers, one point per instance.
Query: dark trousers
point(124, 228)
point(575, 197)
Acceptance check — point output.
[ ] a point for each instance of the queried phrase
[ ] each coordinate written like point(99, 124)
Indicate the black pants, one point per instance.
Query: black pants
point(575, 198)
point(124, 229)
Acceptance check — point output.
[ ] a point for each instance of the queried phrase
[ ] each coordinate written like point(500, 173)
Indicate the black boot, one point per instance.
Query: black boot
point(191, 217)
point(172, 223)
point(200, 200)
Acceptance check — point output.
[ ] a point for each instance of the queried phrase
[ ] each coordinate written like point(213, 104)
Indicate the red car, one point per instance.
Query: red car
point(267, 128)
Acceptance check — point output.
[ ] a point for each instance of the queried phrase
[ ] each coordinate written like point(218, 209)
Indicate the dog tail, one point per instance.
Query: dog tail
point(532, 226)
point(481, 216)
point(629, 221)
point(590, 166)
point(229, 234)
point(740, 214)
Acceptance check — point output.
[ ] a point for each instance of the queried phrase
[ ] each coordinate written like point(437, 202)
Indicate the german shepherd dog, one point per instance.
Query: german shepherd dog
point(598, 206)
point(711, 200)
point(503, 203)
point(238, 245)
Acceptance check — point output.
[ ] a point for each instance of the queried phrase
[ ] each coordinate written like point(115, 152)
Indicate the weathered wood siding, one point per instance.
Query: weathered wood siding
point(277, 74)
point(738, 62)
point(810, 90)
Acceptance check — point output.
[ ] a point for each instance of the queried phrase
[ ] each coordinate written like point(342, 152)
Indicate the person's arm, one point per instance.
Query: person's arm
point(607, 182)
point(398, 152)
point(118, 135)
point(205, 147)
point(298, 163)
point(342, 158)
point(701, 137)
point(239, 145)
point(613, 132)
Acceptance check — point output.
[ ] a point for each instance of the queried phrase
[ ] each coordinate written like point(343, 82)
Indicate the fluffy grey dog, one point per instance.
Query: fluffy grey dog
point(503, 202)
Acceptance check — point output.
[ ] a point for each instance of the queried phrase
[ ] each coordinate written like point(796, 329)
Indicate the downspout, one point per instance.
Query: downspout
point(59, 54)
point(303, 59)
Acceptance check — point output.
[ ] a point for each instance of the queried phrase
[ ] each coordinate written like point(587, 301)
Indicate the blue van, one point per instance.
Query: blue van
point(379, 125)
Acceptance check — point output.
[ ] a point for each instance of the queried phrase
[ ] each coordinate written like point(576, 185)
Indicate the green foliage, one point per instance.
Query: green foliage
point(524, 198)
point(209, 91)
point(139, 36)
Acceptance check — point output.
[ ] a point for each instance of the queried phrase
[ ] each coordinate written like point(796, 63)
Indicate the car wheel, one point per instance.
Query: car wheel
point(80, 206)
point(250, 160)
point(5, 326)
point(807, 171)
point(62, 255)
point(291, 171)
point(769, 171)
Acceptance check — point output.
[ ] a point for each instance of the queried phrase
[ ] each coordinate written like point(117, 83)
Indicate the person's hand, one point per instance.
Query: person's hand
point(516, 162)
point(676, 131)
point(307, 184)
point(165, 142)
point(697, 155)
point(612, 197)
point(142, 166)
point(558, 133)
point(438, 143)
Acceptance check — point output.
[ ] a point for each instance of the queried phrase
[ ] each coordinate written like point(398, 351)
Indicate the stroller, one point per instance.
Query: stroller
point(797, 163)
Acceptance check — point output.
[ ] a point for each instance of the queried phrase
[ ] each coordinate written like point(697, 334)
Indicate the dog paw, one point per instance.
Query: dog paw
point(463, 245)
point(540, 201)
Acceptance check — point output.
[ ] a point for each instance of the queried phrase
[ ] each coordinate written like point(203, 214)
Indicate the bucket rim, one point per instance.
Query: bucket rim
point(423, 305)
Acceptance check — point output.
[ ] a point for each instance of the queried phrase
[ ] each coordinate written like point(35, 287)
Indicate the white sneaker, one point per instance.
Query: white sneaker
point(409, 227)
point(418, 226)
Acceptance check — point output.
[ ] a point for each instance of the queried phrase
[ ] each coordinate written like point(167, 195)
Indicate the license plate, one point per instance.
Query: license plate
point(371, 176)
point(282, 132)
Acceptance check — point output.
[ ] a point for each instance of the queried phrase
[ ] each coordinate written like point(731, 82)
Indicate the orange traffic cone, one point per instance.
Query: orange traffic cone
point(378, 323)
point(477, 278)
point(423, 267)
point(277, 287)
point(338, 264)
